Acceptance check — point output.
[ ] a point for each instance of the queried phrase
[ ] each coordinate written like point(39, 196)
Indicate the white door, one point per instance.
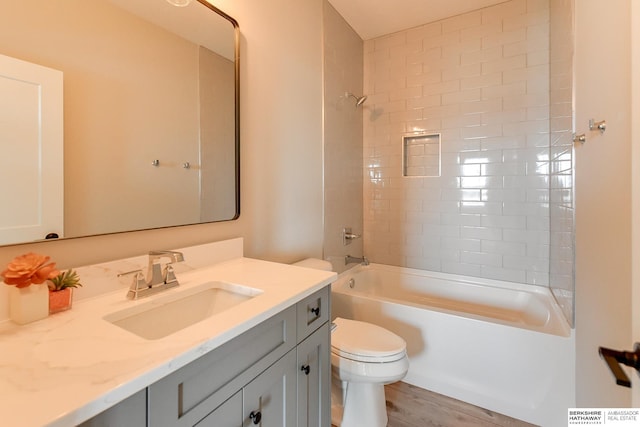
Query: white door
point(603, 168)
point(31, 147)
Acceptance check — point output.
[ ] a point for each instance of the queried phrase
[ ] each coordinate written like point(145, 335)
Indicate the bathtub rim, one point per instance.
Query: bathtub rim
point(557, 324)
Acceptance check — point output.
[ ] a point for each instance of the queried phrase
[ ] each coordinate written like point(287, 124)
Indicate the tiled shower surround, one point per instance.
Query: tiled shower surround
point(482, 81)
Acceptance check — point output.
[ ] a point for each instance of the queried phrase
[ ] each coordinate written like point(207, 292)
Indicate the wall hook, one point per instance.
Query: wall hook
point(156, 162)
point(601, 125)
point(581, 138)
point(186, 165)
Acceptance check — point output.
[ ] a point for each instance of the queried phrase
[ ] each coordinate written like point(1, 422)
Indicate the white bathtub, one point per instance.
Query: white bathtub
point(501, 346)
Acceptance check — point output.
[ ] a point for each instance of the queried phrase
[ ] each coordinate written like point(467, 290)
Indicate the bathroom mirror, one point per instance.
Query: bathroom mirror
point(148, 112)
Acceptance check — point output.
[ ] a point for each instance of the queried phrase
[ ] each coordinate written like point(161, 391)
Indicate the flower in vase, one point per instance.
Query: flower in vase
point(29, 269)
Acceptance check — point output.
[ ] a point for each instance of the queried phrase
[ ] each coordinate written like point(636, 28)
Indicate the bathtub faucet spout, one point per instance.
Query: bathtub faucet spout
point(349, 259)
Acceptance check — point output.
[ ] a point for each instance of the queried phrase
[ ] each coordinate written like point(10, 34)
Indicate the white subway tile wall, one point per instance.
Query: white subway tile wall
point(482, 81)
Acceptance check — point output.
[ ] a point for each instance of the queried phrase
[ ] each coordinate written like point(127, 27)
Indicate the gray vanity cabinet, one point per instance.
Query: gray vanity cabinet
point(276, 374)
point(130, 412)
point(191, 393)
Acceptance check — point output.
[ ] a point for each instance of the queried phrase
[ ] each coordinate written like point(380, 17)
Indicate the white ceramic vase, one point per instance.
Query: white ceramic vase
point(28, 304)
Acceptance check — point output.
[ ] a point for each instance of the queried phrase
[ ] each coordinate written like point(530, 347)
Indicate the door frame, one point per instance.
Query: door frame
point(635, 184)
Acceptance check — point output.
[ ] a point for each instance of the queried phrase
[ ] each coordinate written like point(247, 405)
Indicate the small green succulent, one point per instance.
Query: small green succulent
point(67, 279)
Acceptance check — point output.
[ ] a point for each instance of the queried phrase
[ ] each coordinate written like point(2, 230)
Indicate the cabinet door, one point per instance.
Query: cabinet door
point(229, 414)
point(314, 380)
point(270, 399)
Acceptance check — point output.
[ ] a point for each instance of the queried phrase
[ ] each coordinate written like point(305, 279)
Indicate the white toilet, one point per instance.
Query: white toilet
point(364, 357)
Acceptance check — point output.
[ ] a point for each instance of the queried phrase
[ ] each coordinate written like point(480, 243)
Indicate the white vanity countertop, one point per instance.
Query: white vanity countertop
point(65, 369)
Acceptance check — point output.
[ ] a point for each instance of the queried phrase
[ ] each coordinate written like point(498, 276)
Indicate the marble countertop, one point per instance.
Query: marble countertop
point(69, 367)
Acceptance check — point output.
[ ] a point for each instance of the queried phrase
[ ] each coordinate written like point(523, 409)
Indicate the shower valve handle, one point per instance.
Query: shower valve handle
point(348, 236)
point(614, 358)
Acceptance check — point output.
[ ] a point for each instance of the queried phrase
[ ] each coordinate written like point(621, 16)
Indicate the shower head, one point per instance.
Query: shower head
point(359, 100)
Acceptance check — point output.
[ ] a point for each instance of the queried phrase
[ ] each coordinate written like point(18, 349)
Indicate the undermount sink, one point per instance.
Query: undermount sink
point(163, 316)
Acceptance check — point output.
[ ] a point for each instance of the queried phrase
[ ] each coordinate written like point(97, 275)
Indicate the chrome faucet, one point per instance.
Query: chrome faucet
point(349, 259)
point(158, 278)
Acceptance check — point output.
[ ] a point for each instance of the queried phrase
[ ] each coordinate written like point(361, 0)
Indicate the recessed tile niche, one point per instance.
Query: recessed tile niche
point(421, 155)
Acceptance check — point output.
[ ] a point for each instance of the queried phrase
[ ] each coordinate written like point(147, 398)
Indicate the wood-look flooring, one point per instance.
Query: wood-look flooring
point(410, 406)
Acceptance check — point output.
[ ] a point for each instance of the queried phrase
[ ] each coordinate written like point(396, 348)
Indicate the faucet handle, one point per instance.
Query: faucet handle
point(137, 283)
point(169, 274)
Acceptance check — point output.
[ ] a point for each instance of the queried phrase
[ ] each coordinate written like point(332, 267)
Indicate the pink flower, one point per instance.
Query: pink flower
point(28, 269)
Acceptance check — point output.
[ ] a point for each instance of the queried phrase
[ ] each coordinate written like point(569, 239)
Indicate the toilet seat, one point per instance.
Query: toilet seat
point(365, 342)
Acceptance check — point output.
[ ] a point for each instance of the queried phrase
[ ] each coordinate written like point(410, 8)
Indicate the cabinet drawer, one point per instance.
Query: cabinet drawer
point(187, 395)
point(313, 311)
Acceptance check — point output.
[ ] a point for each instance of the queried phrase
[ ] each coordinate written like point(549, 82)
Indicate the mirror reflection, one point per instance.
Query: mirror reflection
point(116, 115)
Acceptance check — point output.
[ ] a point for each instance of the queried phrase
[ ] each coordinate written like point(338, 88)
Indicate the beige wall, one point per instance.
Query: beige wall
point(281, 131)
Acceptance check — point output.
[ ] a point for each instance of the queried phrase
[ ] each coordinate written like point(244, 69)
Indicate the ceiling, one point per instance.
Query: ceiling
point(374, 18)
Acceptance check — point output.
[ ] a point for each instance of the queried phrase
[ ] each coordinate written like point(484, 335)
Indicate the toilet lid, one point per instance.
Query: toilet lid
point(366, 342)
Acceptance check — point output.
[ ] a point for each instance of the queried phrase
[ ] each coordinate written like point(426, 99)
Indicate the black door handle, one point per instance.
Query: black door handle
point(255, 416)
point(614, 358)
